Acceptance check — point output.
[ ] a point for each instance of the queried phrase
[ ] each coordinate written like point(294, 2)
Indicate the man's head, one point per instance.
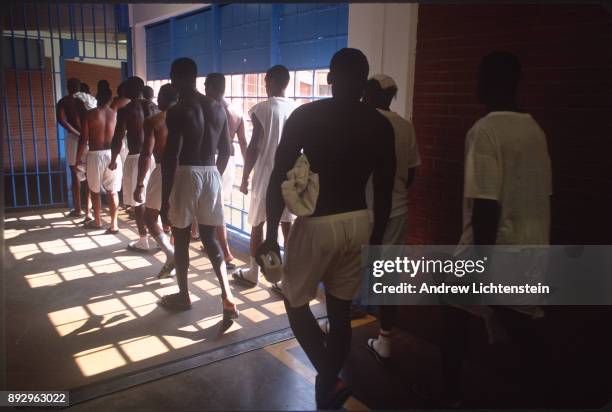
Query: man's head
point(498, 77)
point(183, 74)
point(148, 93)
point(380, 91)
point(167, 97)
point(121, 89)
point(134, 86)
point(214, 86)
point(85, 88)
point(104, 93)
point(73, 85)
point(277, 79)
point(348, 73)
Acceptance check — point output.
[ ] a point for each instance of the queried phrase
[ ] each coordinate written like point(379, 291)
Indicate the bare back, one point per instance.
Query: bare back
point(160, 132)
point(73, 108)
point(133, 116)
point(119, 103)
point(100, 125)
point(201, 122)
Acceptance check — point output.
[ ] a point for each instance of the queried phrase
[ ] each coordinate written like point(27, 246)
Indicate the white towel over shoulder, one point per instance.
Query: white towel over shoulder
point(301, 189)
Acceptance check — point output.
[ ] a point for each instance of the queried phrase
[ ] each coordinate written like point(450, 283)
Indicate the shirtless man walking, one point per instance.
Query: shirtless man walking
point(215, 87)
point(197, 131)
point(155, 137)
point(345, 142)
point(130, 119)
point(70, 110)
point(98, 128)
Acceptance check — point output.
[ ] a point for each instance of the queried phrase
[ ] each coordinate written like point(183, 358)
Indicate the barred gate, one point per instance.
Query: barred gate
point(37, 40)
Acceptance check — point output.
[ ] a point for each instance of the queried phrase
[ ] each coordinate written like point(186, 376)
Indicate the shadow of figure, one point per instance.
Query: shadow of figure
point(96, 321)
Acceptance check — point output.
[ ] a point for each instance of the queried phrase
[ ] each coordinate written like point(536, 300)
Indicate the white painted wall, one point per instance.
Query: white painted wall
point(144, 14)
point(386, 34)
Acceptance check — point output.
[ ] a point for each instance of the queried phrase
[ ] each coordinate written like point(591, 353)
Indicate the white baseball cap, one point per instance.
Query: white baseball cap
point(385, 82)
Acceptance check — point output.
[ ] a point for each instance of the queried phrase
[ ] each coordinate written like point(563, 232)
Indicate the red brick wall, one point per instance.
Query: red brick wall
point(28, 134)
point(92, 73)
point(566, 53)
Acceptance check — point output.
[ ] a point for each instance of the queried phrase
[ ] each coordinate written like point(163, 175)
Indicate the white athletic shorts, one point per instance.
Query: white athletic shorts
point(325, 249)
point(154, 189)
point(71, 144)
point(124, 150)
point(130, 179)
point(257, 210)
point(395, 233)
point(99, 176)
point(196, 192)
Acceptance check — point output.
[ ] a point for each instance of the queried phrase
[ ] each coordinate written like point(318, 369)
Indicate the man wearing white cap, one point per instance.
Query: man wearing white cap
point(380, 91)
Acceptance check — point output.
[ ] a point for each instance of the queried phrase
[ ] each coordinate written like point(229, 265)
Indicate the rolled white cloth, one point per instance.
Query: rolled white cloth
point(301, 189)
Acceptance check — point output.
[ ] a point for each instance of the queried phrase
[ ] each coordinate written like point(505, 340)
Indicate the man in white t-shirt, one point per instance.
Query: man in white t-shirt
point(268, 118)
point(380, 91)
point(507, 188)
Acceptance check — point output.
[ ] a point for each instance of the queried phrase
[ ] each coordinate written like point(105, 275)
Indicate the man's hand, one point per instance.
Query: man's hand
point(138, 193)
point(113, 165)
point(264, 248)
point(244, 187)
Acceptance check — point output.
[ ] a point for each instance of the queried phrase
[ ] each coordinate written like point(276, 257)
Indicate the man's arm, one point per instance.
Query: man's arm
point(224, 149)
point(170, 159)
point(411, 176)
point(118, 136)
point(83, 139)
point(382, 178)
point(62, 119)
point(252, 152)
point(241, 135)
point(144, 160)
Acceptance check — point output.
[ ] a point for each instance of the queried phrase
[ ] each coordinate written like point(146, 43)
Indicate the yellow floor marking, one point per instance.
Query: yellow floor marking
point(281, 352)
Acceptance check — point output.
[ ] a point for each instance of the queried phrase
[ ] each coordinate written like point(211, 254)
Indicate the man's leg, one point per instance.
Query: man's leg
point(152, 222)
point(222, 238)
point(285, 227)
point(215, 254)
point(113, 201)
point(140, 222)
point(251, 275)
point(76, 190)
point(88, 203)
point(338, 340)
point(180, 300)
point(308, 333)
point(95, 200)
point(382, 345)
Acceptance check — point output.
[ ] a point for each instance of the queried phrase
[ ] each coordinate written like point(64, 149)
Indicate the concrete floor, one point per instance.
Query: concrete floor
point(82, 308)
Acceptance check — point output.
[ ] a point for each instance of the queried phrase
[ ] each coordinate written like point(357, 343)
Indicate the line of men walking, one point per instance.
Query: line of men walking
point(365, 155)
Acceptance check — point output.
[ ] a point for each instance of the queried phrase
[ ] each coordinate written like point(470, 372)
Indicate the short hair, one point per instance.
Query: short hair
point(168, 91)
point(148, 92)
point(103, 95)
point(215, 81)
point(134, 87)
point(121, 89)
point(279, 74)
point(351, 64)
point(103, 84)
point(85, 88)
point(184, 67)
point(502, 68)
point(73, 84)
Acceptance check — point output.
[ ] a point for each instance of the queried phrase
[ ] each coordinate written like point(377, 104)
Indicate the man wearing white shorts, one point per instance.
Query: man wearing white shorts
point(98, 127)
point(215, 88)
point(268, 119)
point(191, 181)
point(345, 142)
point(70, 110)
point(130, 121)
point(155, 138)
point(379, 93)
